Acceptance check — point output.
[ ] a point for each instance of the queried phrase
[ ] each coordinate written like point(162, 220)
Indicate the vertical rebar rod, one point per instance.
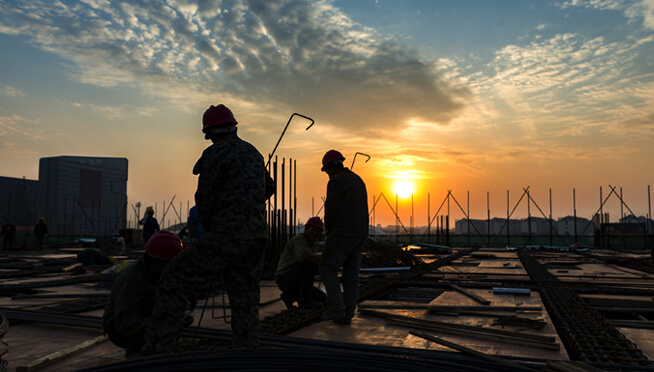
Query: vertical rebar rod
point(411, 216)
point(601, 221)
point(529, 217)
point(574, 208)
point(283, 204)
point(428, 217)
point(621, 206)
point(508, 219)
point(397, 218)
point(488, 232)
point(468, 217)
point(291, 199)
point(649, 221)
point(294, 196)
point(550, 216)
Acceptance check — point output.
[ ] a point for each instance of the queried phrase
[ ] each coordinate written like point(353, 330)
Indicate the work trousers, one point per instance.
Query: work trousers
point(238, 261)
point(297, 285)
point(7, 244)
point(39, 241)
point(345, 252)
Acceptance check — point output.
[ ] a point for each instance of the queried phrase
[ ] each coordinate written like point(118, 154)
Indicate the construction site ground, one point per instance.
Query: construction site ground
point(477, 273)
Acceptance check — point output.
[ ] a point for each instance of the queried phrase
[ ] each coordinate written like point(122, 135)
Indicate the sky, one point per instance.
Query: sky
point(473, 98)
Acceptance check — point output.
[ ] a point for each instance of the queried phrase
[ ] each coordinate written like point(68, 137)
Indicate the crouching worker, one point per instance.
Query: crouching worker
point(297, 267)
point(131, 301)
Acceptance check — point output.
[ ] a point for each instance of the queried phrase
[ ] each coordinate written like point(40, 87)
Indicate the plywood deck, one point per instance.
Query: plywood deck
point(31, 341)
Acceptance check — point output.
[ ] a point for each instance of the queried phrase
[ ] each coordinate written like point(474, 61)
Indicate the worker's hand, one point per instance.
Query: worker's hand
point(187, 320)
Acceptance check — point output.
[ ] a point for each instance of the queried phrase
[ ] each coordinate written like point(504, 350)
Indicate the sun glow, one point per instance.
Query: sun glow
point(403, 188)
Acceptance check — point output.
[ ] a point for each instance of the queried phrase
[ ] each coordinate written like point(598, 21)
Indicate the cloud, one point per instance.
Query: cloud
point(631, 9)
point(9, 125)
point(289, 55)
point(6, 90)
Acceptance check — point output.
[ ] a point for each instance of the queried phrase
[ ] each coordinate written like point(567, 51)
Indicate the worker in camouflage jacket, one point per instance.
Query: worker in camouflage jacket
point(131, 300)
point(233, 187)
point(346, 227)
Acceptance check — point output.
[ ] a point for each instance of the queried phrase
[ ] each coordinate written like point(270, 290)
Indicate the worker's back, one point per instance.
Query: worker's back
point(231, 192)
point(346, 207)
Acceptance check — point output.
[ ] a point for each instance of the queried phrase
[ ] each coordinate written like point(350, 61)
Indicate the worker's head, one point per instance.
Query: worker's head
point(314, 227)
point(41, 219)
point(218, 121)
point(7, 219)
point(332, 161)
point(150, 211)
point(161, 248)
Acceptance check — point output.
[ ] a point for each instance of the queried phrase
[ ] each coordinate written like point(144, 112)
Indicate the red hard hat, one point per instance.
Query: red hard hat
point(217, 115)
point(329, 157)
point(315, 221)
point(164, 245)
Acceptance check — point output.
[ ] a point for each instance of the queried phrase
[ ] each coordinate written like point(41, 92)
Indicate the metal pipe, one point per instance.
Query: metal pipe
point(284, 131)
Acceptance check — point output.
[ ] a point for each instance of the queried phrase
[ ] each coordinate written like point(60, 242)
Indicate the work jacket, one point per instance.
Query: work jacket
point(299, 249)
point(130, 303)
point(346, 206)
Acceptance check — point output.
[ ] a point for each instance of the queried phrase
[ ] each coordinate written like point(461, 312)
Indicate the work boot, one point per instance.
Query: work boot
point(287, 301)
point(336, 317)
point(310, 305)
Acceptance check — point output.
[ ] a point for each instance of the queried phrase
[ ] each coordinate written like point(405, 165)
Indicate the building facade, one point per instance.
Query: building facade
point(83, 195)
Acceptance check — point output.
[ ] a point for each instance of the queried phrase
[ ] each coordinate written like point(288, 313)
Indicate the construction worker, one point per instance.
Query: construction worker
point(8, 233)
point(150, 224)
point(233, 186)
point(93, 257)
point(131, 300)
point(40, 231)
point(298, 264)
point(346, 227)
point(195, 229)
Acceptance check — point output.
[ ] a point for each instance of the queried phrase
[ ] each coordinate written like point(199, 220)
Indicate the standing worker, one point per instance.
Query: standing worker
point(8, 233)
point(40, 230)
point(233, 186)
point(298, 264)
point(150, 224)
point(131, 300)
point(195, 229)
point(346, 226)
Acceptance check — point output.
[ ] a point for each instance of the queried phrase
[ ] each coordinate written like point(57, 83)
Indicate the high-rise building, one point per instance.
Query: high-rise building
point(83, 195)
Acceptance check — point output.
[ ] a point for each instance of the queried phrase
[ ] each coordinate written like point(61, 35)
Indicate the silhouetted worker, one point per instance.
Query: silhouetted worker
point(94, 257)
point(195, 229)
point(346, 227)
point(233, 186)
point(8, 233)
point(131, 301)
point(298, 264)
point(150, 224)
point(40, 231)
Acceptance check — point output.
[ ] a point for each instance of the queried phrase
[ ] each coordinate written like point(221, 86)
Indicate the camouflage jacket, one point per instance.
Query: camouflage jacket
point(233, 187)
point(346, 206)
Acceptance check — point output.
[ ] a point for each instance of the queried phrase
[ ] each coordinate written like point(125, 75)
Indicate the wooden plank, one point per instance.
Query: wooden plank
point(479, 335)
point(503, 332)
point(59, 355)
point(449, 309)
point(468, 351)
point(466, 292)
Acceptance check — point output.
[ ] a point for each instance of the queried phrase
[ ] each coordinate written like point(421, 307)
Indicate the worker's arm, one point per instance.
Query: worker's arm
point(303, 253)
point(130, 292)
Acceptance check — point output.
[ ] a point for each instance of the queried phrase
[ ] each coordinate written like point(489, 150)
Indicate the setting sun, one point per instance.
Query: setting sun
point(403, 188)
